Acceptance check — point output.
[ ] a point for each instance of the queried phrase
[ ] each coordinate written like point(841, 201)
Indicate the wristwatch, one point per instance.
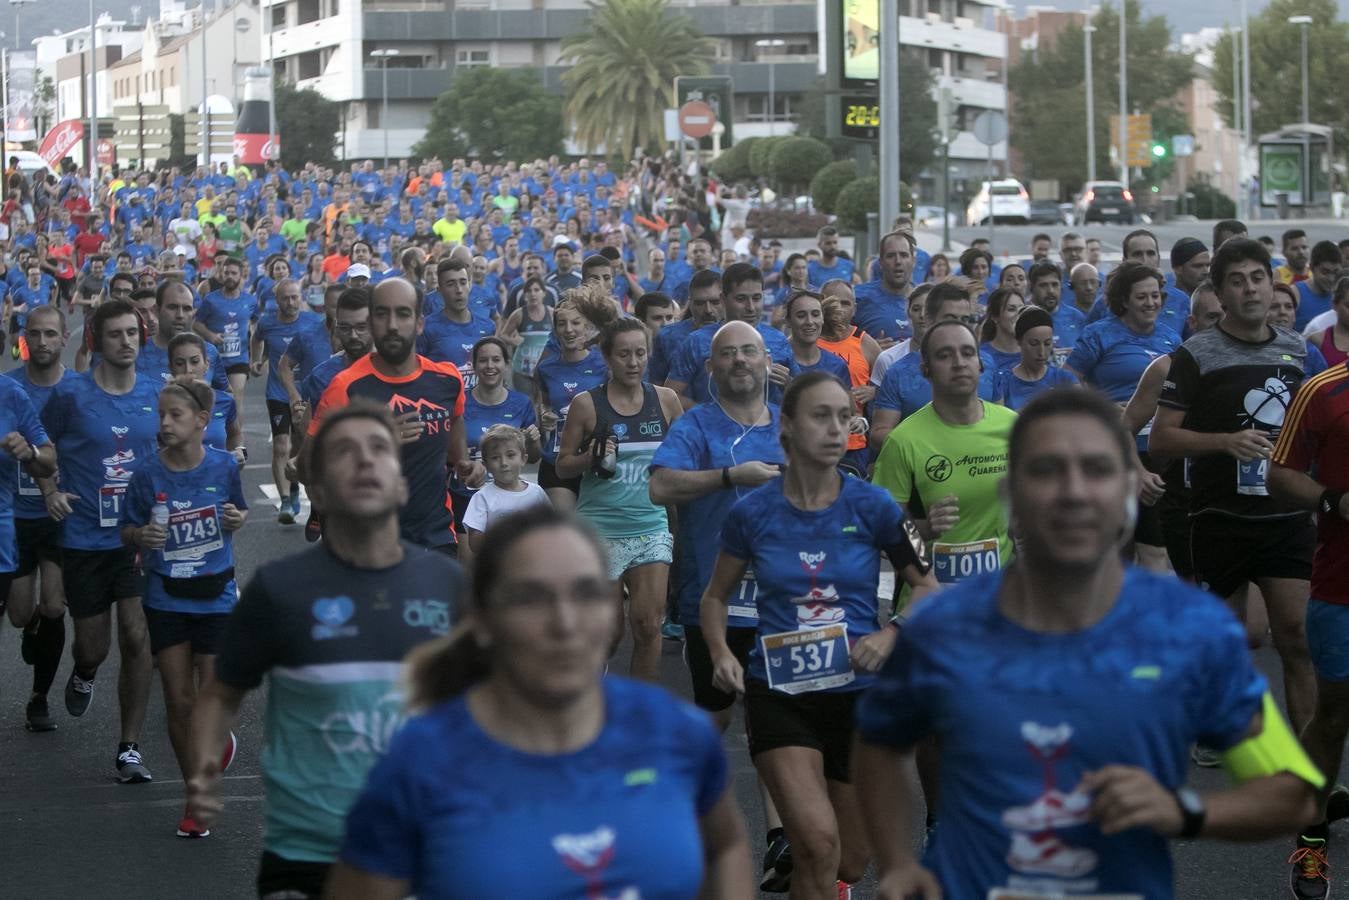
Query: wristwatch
point(1192, 812)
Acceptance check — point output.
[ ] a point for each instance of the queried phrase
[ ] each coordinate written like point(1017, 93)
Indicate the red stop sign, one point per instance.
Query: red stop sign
point(696, 119)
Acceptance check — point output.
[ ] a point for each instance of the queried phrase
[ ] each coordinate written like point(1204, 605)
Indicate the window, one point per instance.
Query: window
point(757, 108)
point(472, 58)
point(308, 65)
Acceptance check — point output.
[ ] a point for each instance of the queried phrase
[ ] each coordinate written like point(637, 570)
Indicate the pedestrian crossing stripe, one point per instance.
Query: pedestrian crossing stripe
point(274, 497)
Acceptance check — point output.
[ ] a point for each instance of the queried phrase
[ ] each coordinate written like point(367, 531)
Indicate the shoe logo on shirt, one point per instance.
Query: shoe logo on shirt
point(1267, 405)
point(588, 855)
point(1035, 848)
point(819, 605)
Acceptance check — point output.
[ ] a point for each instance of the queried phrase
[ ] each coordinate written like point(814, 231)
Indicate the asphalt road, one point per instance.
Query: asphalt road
point(70, 831)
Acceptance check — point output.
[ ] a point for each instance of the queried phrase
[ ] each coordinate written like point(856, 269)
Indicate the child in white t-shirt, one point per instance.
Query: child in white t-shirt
point(503, 455)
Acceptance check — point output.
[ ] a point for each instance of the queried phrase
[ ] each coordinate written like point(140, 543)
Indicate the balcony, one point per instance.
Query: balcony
point(975, 92)
point(406, 84)
point(963, 36)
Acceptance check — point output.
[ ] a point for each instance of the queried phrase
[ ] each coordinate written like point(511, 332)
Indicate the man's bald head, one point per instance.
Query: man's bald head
point(739, 363)
point(397, 290)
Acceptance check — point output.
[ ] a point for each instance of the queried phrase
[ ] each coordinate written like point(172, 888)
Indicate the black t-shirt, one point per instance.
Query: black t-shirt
point(1225, 384)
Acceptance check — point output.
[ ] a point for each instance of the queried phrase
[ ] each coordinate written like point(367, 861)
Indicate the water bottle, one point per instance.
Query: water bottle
point(603, 462)
point(159, 513)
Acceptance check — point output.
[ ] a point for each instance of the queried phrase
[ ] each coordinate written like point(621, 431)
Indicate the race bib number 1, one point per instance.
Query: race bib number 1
point(815, 659)
point(953, 563)
point(192, 534)
point(745, 602)
point(110, 498)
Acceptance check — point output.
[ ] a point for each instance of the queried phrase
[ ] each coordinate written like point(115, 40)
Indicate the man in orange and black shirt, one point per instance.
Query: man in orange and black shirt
point(427, 400)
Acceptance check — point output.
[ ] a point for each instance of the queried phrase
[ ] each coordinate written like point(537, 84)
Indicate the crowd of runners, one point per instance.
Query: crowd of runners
point(1098, 486)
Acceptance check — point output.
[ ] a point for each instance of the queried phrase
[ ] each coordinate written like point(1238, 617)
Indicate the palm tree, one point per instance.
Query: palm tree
point(623, 69)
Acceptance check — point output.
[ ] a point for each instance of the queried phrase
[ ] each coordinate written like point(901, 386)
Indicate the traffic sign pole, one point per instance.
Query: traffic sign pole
point(889, 103)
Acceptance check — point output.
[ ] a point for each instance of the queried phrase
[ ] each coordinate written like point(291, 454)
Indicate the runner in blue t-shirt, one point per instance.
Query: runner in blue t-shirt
point(490, 403)
point(449, 335)
point(24, 445)
point(805, 324)
point(703, 308)
point(39, 609)
point(104, 425)
point(187, 356)
point(226, 319)
point(188, 558)
point(1032, 373)
point(558, 378)
point(274, 334)
point(633, 801)
point(742, 299)
point(1046, 292)
point(1064, 724)
point(814, 539)
point(882, 304)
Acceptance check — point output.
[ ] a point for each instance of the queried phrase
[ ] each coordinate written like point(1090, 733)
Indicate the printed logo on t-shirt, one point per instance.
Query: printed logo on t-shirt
point(588, 855)
point(432, 415)
point(938, 468)
point(331, 615)
point(1036, 848)
point(433, 615)
point(1267, 405)
point(819, 605)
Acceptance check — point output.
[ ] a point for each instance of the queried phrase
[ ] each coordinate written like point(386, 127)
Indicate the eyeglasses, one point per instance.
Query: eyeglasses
point(748, 351)
point(363, 328)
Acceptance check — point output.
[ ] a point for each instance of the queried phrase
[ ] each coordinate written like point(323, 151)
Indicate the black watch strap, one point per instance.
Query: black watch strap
point(1192, 812)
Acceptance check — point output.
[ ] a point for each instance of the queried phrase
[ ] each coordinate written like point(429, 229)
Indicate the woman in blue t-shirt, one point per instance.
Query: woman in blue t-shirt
point(530, 774)
point(188, 559)
point(814, 539)
point(997, 335)
point(1032, 374)
point(187, 356)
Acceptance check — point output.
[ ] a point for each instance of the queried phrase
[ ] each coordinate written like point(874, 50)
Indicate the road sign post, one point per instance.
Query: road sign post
point(990, 127)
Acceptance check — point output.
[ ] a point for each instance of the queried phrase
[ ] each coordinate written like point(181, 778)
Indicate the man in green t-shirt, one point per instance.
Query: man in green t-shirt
point(948, 458)
point(293, 229)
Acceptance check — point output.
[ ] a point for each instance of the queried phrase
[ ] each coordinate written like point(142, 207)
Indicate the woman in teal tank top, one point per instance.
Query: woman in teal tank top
point(631, 417)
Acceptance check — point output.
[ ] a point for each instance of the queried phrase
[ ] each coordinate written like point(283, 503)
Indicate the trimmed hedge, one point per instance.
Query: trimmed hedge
point(829, 181)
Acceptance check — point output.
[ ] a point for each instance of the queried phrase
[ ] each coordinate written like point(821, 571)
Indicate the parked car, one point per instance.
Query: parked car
point(931, 217)
point(1046, 212)
point(1006, 200)
point(1105, 201)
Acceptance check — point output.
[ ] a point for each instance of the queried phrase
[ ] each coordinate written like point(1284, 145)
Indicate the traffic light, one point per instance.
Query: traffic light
point(1159, 151)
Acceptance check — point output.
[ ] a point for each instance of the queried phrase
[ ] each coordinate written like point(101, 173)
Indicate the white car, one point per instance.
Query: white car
point(1005, 199)
point(29, 162)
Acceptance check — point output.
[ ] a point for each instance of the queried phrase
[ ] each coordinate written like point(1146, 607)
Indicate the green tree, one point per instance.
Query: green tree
point(623, 67)
point(308, 122)
point(917, 119)
point(1049, 113)
point(1276, 68)
point(829, 181)
point(493, 114)
point(732, 164)
point(796, 160)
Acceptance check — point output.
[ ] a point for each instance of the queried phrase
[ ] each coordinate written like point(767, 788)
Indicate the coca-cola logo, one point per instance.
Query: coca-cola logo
point(60, 139)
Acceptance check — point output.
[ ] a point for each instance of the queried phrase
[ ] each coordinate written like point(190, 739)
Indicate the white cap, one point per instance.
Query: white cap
point(560, 239)
point(186, 250)
point(358, 270)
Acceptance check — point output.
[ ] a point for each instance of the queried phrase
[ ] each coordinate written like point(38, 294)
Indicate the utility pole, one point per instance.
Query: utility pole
point(1123, 95)
point(889, 99)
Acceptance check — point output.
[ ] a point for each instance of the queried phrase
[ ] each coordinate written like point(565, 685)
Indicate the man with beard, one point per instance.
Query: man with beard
point(427, 401)
point(174, 314)
point(226, 320)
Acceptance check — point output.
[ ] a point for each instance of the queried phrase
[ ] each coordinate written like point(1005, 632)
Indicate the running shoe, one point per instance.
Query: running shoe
point(777, 867)
point(286, 516)
point(671, 631)
point(313, 527)
point(1337, 804)
point(844, 890)
point(38, 716)
point(1309, 869)
point(227, 758)
point(79, 694)
point(1205, 757)
point(188, 827)
point(130, 768)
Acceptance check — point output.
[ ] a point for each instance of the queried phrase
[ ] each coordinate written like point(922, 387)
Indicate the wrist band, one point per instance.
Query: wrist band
point(1329, 504)
point(725, 476)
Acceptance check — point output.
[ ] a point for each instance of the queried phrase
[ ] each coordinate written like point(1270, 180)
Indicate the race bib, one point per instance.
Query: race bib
point(233, 344)
point(28, 486)
point(815, 659)
point(745, 602)
point(1251, 477)
point(192, 533)
point(561, 423)
point(1061, 355)
point(110, 498)
point(953, 563)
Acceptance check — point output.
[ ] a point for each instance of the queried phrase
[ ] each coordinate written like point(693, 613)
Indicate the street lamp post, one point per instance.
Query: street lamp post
point(18, 6)
point(1087, 31)
point(1304, 22)
point(93, 103)
point(1123, 96)
point(383, 56)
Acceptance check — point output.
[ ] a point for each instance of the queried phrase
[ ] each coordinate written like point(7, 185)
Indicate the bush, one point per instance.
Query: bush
point(761, 156)
point(863, 195)
point(733, 163)
point(825, 186)
point(785, 223)
point(1209, 202)
point(795, 160)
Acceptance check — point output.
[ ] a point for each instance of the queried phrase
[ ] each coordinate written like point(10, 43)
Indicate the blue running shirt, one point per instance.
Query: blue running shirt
point(28, 503)
point(1111, 357)
point(559, 382)
point(101, 439)
point(880, 313)
point(689, 367)
point(16, 414)
point(197, 545)
point(1014, 392)
point(277, 337)
point(905, 389)
point(230, 318)
point(704, 439)
point(459, 815)
point(516, 410)
point(223, 414)
point(1022, 716)
point(816, 570)
point(445, 341)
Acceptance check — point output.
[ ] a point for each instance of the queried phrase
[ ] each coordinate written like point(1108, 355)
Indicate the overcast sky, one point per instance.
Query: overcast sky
point(1190, 15)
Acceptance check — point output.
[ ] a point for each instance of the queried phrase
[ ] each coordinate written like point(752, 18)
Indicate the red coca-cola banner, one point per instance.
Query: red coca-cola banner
point(257, 149)
point(59, 141)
